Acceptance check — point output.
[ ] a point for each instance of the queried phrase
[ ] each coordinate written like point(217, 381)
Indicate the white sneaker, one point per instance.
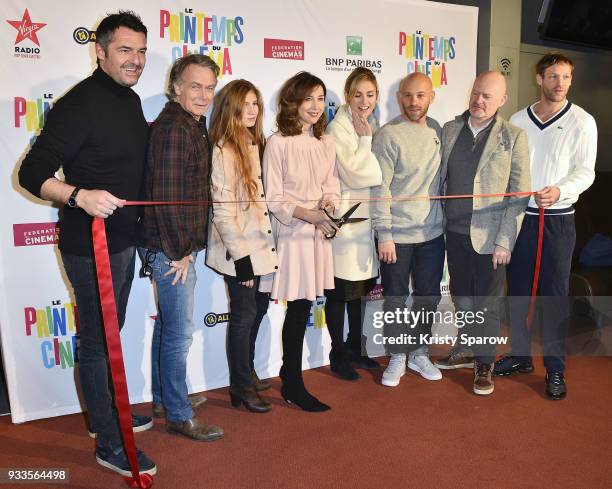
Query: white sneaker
point(419, 362)
point(395, 370)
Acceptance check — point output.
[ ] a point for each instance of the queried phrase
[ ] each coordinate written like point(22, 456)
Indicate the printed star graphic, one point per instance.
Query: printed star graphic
point(26, 29)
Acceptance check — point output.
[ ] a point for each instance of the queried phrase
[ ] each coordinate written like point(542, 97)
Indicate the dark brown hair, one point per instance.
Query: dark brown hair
point(293, 92)
point(550, 59)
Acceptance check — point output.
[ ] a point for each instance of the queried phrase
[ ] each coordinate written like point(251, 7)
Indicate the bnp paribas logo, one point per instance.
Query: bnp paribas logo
point(354, 45)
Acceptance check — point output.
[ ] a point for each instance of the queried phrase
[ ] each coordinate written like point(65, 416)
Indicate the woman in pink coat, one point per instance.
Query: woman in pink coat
point(300, 180)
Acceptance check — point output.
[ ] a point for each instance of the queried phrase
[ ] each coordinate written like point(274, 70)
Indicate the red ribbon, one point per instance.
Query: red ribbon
point(115, 352)
point(111, 323)
point(536, 271)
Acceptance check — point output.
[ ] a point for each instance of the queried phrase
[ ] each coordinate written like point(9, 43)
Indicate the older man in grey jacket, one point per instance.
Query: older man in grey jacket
point(482, 154)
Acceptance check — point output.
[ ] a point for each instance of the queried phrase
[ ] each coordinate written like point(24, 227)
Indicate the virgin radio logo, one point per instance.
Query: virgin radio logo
point(31, 114)
point(56, 328)
point(27, 44)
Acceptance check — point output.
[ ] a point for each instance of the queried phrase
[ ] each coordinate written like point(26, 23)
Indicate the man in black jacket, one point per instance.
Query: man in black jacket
point(98, 134)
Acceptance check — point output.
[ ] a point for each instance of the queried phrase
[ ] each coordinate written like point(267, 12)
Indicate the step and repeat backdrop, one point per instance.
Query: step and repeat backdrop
point(47, 47)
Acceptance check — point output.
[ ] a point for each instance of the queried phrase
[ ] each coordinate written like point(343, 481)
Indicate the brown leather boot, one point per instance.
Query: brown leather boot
point(195, 399)
point(250, 398)
point(196, 429)
point(483, 378)
point(260, 385)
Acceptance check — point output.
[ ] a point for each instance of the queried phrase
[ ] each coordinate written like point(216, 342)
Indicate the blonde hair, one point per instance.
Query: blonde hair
point(355, 78)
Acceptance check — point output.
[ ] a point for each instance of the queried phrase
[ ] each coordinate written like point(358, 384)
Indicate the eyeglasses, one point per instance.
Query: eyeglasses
point(146, 270)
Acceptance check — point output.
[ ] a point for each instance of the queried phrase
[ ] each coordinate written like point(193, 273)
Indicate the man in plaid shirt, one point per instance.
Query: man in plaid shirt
point(178, 169)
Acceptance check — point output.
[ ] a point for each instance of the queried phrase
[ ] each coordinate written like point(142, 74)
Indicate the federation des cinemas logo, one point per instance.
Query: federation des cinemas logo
point(283, 49)
point(27, 44)
point(35, 233)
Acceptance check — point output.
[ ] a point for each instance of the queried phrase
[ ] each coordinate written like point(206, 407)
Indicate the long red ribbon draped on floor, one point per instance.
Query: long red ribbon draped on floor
point(115, 352)
point(111, 322)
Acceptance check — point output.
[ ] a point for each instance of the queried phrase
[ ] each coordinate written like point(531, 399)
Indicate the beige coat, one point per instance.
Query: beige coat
point(238, 230)
point(503, 168)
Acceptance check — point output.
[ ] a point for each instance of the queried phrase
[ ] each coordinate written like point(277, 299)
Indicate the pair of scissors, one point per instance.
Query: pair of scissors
point(345, 219)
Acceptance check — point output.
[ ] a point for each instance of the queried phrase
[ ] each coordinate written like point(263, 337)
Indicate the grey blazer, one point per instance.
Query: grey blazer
point(503, 168)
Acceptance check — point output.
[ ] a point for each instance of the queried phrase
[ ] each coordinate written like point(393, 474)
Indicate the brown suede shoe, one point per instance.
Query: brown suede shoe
point(483, 378)
point(196, 400)
point(260, 385)
point(196, 429)
point(456, 358)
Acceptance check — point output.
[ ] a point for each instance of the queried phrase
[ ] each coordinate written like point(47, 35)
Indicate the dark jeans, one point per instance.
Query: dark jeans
point(93, 357)
point(553, 286)
point(475, 286)
point(248, 306)
point(424, 263)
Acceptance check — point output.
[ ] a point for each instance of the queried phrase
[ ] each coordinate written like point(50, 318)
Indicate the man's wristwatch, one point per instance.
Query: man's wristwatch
point(72, 199)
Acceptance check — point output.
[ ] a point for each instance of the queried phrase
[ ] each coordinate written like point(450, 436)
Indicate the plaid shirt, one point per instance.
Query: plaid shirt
point(178, 169)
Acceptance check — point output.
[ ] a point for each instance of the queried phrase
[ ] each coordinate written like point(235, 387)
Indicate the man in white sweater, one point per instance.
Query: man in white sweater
point(410, 233)
point(562, 145)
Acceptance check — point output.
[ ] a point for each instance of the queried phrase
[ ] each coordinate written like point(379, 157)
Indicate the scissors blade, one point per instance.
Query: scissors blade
point(352, 220)
point(347, 214)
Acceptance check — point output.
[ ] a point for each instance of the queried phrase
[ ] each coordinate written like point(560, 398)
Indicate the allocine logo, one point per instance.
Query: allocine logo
point(283, 49)
point(212, 319)
point(35, 233)
point(82, 35)
point(27, 31)
point(31, 114)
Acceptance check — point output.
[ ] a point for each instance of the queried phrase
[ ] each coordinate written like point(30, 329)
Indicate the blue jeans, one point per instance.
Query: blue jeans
point(172, 337)
point(424, 262)
point(93, 369)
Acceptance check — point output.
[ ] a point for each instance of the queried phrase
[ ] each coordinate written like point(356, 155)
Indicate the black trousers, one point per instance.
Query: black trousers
point(248, 307)
point(475, 286)
point(334, 315)
point(553, 285)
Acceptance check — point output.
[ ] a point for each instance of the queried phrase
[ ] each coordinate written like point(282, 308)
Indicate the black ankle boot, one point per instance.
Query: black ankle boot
point(340, 365)
point(296, 393)
point(250, 398)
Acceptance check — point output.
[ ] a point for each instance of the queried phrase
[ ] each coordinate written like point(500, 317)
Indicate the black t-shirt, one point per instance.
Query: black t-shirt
point(98, 134)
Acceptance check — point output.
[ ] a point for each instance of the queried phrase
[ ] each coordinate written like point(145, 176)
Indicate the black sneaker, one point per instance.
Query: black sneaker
point(114, 458)
point(507, 365)
point(139, 423)
point(555, 385)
